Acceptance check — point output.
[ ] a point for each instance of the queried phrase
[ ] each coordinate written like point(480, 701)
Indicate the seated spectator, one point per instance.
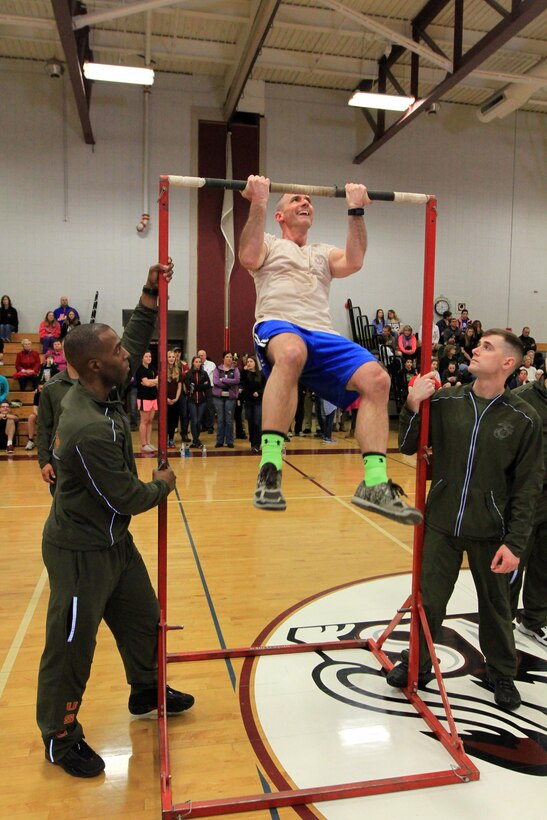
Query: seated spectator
point(49, 330)
point(58, 354)
point(4, 388)
point(451, 376)
point(48, 368)
point(9, 323)
point(27, 365)
point(409, 370)
point(464, 321)
point(435, 337)
point(478, 329)
point(449, 354)
point(32, 420)
point(1, 352)
point(528, 364)
point(437, 381)
point(469, 343)
point(442, 324)
point(407, 344)
point(379, 322)
point(8, 426)
point(528, 341)
point(62, 311)
point(517, 379)
point(394, 321)
point(70, 322)
point(452, 330)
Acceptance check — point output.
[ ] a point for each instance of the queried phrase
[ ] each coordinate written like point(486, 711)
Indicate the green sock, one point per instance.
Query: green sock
point(272, 446)
point(375, 469)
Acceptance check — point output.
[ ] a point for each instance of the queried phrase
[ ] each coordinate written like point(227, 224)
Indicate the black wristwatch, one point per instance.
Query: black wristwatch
point(150, 291)
point(356, 212)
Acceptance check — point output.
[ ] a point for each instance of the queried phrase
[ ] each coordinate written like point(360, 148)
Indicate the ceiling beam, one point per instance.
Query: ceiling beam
point(81, 20)
point(76, 48)
point(248, 47)
point(524, 12)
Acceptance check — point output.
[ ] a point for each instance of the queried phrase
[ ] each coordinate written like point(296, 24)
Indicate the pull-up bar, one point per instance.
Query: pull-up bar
point(293, 188)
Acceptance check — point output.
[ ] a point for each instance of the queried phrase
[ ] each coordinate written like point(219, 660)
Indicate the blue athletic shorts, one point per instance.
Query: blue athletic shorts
point(332, 359)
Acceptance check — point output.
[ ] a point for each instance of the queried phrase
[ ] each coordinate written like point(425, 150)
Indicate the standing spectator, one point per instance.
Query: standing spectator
point(70, 322)
point(27, 365)
point(183, 401)
point(240, 361)
point(8, 426)
point(147, 400)
point(198, 387)
point(532, 620)
point(49, 330)
point(253, 383)
point(487, 477)
point(174, 389)
point(9, 322)
point(62, 311)
point(379, 322)
point(209, 368)
point(226, 379)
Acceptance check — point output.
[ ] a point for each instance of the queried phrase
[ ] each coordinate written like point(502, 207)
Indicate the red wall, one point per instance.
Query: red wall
point(211, 245)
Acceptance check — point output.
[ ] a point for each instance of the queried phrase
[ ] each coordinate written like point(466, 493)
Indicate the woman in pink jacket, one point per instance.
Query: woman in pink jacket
point(49, 330)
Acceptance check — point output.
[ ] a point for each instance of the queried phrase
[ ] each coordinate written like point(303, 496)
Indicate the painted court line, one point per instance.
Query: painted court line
point(11, 657)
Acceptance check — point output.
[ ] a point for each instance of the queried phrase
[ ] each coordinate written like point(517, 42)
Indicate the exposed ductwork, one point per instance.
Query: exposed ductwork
point(513, 96)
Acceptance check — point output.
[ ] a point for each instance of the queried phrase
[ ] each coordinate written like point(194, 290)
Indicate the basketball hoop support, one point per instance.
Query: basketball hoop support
point(465, 770)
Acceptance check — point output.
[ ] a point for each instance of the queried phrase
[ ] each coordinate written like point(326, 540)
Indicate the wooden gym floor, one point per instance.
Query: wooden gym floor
point(233, 571)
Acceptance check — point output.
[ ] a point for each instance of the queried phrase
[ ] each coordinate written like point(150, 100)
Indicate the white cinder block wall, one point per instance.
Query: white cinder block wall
point(68, 212)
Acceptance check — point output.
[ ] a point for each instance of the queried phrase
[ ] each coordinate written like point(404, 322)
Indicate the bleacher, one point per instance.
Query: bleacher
point(11, 349)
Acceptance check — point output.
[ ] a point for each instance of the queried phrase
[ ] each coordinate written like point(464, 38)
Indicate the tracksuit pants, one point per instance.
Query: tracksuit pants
point(85, 587)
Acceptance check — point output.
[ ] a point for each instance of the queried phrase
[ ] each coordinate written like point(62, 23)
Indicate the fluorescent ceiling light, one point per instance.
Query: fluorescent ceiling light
point(118, 73)
point(390, 102)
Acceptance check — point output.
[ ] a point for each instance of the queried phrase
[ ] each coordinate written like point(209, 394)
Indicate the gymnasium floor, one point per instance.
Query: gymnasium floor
point(323, 567)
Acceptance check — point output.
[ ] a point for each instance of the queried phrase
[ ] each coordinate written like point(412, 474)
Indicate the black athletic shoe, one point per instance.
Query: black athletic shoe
point(398, 676)
point(268, 495)
point(147, 701)
point(505, 692)
point(80, 761)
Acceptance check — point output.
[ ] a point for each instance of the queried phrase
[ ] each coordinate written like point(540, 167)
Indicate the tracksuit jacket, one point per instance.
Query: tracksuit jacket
point(487, 468)
point(93, 458)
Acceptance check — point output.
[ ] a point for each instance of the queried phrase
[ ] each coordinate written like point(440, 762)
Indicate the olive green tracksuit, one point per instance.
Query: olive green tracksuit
point(53, 393)
point(487, 476)
point(534, 558)
point(94, 568)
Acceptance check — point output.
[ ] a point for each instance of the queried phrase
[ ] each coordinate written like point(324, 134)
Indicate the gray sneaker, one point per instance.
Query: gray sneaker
point(268, 495)
point(385, 499)
point(29, 445)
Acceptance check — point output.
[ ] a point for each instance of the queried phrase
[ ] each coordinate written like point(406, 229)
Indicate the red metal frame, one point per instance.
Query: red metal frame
point(465, 770)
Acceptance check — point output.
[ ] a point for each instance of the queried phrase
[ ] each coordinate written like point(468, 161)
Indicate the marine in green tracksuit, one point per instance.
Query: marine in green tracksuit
point(534, 558)
point(49, 411)
point(95, 570)
point(487, 476)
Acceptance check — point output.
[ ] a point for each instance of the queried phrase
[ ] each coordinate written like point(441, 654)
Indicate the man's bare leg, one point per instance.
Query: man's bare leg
point(372, 429)
point(287, 354)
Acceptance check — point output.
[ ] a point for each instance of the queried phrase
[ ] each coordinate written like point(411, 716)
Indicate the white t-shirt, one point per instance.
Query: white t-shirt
point(293, 284)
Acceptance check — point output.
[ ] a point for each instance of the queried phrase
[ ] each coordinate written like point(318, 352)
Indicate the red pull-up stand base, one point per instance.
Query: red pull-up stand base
point(464, 771)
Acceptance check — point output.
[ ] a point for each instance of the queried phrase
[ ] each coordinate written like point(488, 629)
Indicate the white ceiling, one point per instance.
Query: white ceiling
point(331, 44)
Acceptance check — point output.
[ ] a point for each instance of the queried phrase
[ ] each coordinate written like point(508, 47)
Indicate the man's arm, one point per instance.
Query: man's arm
point(252, 250)
point(345, 262)
point(140, 327)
